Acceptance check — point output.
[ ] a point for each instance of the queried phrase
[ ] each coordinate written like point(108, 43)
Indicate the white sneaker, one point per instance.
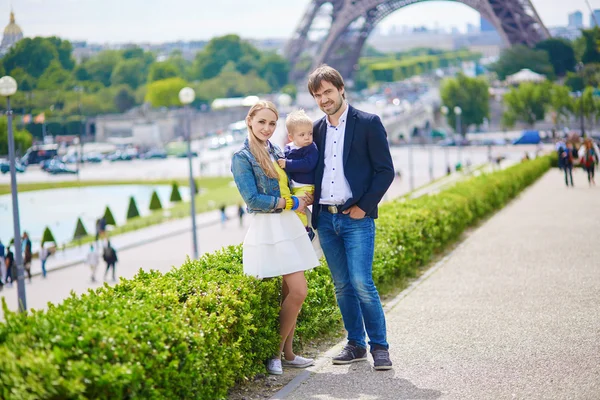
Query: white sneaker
point(298, 362)
point(274, 366)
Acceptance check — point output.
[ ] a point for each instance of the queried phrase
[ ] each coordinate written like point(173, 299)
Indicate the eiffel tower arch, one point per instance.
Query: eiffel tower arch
point(345, 25)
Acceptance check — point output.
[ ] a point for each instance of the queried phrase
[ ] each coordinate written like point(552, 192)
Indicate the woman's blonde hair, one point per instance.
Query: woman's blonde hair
point(257, 148)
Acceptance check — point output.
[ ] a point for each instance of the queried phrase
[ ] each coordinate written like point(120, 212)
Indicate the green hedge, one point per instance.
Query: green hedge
point(132, 210)
point(195, 331)
point(155, 203)
point(80, 230)
point(108, 217)
point(175, 195)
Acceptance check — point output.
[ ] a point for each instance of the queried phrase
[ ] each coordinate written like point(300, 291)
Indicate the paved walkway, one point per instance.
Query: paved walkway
point(512, 313)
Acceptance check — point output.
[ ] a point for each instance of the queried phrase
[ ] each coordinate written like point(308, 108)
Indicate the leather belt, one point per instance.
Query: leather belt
point(331, 209)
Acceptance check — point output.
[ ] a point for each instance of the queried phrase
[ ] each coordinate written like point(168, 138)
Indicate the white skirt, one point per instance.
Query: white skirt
point(277, 244)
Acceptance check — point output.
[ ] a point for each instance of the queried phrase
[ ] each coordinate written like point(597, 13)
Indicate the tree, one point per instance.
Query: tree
point(516, 58)
point(128, 72)
point(165, 93)
point(588, 76)
point(561, 54)
point(591, 53)
point(275, 70)
point(23, 139)
point(155, 203)
point(100, 67)
point(64, 48)
point(471, 95)
point(132, 210)
point(108, 217)
point(218, 52)
point(124, 100)
point(55, 77)
point(25, 81)
point(79, 230)
point(561, 103)
point(33, 55)
point(175, 195)
point(48, 237)
point(162, 70)
point(527, 103)
point(587, 104)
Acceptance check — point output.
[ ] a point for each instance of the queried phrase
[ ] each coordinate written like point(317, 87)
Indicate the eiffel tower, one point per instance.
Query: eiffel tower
point(350, 22)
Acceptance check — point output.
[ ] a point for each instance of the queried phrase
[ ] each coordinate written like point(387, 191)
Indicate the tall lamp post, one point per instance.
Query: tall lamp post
point(457, 113)
point(579, 69)
point(186, 97)
point(429, 134)
point(444, 110)
point(8, 87)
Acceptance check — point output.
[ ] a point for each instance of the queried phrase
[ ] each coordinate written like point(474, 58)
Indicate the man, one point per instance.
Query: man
point(2, 265)
point(93, 259)
point(27, 254)
point(355, 170)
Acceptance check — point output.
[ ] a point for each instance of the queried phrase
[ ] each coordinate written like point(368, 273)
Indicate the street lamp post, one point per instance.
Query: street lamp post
point(579, 69)
point(429, 133)
point(187, 96)
point(445, 111)
point(458, 112)
point(8, 87)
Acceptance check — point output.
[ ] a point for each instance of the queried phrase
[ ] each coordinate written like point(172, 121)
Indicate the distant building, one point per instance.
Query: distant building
point(472, 28)
point(576, 20)
point(12, 34)
point(595, 18)
point(486, 26)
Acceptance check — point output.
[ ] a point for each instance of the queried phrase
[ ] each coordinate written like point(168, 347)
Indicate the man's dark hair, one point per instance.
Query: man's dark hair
point(327, 74)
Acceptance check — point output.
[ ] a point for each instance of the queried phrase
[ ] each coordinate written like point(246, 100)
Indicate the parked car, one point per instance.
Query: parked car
point(123, 155)
point(58, 167)
point(93, 158)
point(184, 154)
point(155, 153)
point(5, 166)
point(38, 153)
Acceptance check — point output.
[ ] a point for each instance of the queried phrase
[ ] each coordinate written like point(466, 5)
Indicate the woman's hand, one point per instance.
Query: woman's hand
point(280, 204)
point(309, 198)
point(302, 204)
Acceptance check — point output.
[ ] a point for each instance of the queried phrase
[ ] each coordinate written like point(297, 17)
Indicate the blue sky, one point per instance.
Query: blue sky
point(116, 21)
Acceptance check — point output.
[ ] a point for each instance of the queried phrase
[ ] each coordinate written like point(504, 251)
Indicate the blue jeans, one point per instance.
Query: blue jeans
point(44, 268)
point(348, 245)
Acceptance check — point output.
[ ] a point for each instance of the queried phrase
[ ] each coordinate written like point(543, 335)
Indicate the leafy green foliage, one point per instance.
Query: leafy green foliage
point(132, 210)
point(108, 217)
point(195, 331)
point(560, 53)
point(165, 93)
point(79, 230)
point(516, 58)
point(175, 195)
point(155, 203)
point(590, 38)
point(23, 139)
point(527, 103)
point(47, 236)
point(471, 95)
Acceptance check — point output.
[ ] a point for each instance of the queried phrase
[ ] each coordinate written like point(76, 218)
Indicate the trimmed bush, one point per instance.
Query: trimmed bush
point(175, 195)
point(79, 230)
point(132, 210)
point(195, 331)
point(47, 236)
point(155, 202)
point(108, 217)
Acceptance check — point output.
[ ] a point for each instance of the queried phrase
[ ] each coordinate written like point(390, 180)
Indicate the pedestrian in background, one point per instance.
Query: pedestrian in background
point(241, 213)
point(43, 257)
point(110, 257)
point(92, 260)
point(589, 158)
point(10, 261)
point(223, 215)
point(2, 264)
point(27, 255)
point(566, 157)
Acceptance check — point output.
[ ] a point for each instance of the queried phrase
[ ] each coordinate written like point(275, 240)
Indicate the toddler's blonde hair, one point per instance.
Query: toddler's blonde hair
point(296, 119)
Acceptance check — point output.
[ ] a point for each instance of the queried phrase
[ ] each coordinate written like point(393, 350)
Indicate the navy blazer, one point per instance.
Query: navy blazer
point(367, 161)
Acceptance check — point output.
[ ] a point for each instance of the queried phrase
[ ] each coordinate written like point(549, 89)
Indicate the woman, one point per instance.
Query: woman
point(566, 157)
point(589, 159)
point(276, 243)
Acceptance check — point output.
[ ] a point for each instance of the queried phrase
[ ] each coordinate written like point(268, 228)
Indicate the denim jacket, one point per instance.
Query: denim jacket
point(260, 192)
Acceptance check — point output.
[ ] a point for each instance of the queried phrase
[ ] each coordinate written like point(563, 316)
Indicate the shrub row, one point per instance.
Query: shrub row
point(195, 331)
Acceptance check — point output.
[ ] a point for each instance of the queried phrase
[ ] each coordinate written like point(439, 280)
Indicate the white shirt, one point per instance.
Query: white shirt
point(334, 186)
point(93, 258)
